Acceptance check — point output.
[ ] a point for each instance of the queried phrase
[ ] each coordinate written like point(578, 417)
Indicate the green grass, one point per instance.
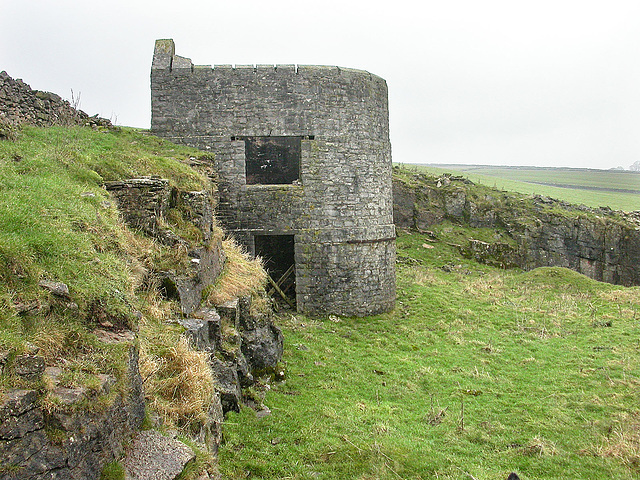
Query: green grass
point(594, 188)
point(57, 223)
point(477, 373)
point(113, 471)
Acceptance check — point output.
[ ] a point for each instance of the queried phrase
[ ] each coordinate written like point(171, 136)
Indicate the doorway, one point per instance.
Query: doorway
point(278, 253)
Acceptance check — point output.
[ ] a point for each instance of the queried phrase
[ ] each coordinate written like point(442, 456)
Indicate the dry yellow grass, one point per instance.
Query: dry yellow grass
point(623, 442)
point(490, 285)
point(178, 380)
point(622, 296)
point(241, 276)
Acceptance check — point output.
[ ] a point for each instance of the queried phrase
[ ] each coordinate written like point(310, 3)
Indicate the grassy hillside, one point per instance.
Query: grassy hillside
point(58, 224)
point(619, 190)
point(477, 373)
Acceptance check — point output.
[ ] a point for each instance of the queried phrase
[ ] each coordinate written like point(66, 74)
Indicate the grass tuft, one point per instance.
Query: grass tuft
point(240, 276)
point(113, 471)
point(178, 380)
point(622, 441)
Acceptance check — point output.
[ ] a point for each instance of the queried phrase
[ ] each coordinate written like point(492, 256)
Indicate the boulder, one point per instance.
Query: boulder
point(152, 456)
point(262, 347)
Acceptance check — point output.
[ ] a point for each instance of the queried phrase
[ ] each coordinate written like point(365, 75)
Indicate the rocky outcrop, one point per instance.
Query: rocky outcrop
point(242, 344)
point(600, 243)
point(262, 342)
point(20, 104)
point(74, 440)
point(66, 441)
point(144, 203)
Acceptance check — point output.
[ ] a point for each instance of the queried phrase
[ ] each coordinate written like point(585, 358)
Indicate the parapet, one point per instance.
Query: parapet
point(165, 58)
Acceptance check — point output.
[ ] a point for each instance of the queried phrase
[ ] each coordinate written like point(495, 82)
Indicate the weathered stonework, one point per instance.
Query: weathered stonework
point(143, 202)
point(339, 209)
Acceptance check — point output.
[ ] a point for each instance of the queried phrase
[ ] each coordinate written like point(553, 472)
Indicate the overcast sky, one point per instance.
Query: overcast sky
point(547, 83)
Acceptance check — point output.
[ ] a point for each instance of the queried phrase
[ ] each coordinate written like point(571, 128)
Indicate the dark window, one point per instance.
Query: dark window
point(272, 160)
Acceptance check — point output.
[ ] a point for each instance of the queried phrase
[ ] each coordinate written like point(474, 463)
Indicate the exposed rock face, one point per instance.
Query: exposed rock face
point(251, 346)
point(262, 342)
point(241, 344)
point(67, 443)
point(144, 202)
point(601, 246)
point(20, 104)
point(599, 243)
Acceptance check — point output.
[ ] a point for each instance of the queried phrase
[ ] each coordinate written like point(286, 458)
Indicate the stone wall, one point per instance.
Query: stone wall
point(340, 208)
point(599, 243)
point(20, 104)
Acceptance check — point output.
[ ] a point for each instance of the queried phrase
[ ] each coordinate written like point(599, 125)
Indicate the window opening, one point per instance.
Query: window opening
point(272, 160)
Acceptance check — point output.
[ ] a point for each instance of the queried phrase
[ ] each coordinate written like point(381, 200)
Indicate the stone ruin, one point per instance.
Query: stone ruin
point(304, 167)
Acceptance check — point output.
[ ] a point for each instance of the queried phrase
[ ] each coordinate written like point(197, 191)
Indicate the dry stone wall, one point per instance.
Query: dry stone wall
point(20, 104)
point(339, 209)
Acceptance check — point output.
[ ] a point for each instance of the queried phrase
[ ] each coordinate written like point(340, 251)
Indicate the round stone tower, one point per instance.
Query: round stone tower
point(304, 165)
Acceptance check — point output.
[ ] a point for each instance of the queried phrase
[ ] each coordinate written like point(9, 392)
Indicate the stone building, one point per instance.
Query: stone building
point(304, 164)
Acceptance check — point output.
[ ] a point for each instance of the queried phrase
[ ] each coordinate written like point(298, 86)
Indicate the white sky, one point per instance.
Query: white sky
point(547, 83)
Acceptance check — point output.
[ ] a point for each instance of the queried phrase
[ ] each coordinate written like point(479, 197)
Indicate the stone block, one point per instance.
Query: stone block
point(230, 312)
point(152, 456)
point(227, 384)
point(16, 402)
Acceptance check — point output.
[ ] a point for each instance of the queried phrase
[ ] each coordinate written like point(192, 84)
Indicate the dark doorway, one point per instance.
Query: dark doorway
point(279, 261)
point(272, 160)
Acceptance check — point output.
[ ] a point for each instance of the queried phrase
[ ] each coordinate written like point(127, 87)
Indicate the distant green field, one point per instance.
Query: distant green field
point(619, 190)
